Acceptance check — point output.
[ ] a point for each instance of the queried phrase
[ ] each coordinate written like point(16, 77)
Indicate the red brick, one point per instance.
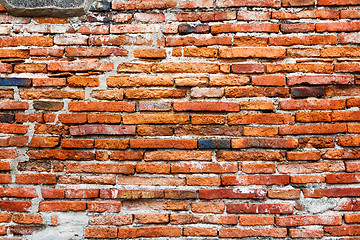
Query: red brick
point(200, 231)
point(205, 207)
point(26, 41)
point(131, 194)
point(349, 38)
point(299, 67)
point(152, 168)
point(156, 119)
point(248, 68)
point(352, 205)
point(77, 143)
point(332, 192)
point(81, 193)
point(303, 156)
point(260, 208)
point(102, 29)
point(99, 168)
point(100, 232)
point(338, 2)
point(307, 179)
point(177, 156)
point(253, 16)
point(80, 66)
point(260, 119)
point(151, 181)
point(78, 81)
point(18, 192)
point(259, 168)
point(297, 27)
point(8, 154)
point(352, 166)
point(102, 106)
point(13, 105)
point(204, 168)
point(18, 206)
point(284, 194)
point(198, 41)
point(353, 230)
point(205, 106)
point(163, 143)
point(338, 27)
point(112, 143)
point(306, 233)
point(150, 53)
point(104, 118)
point(67, 40)
point(343, 178)
point(264, 143)
point(117, 220)
point(296, 3)
point(313, 117)
point(53, 193)
point(259, 193)
point(207, 119)
point(154, 93)
point(102, 130)
point(62, 206)
point(352, 218)
point(203, 181)
point(249, 156)
point(260, 132)
point(245, 27)
point(5, 217)
point(148, 17)
point(245, 220)
point(113, 207)
point(60, 154)
point(255, 180)
point(268, 80)
point(303, 40)
point(248, 3)
point(126, 81)
point(318, 104)
point(341, 154)
point(151, 218)
point(147, 4)
point(208, 218)
point(303, 220)
point(28, 218)
point(252, 232)
point(251, 53)
point(4, 166)
point(44, 142)
point(241, 92)
point(313, 129)
point(126, 156)
point(161, 231)
point(36, 179)
point(311, 167)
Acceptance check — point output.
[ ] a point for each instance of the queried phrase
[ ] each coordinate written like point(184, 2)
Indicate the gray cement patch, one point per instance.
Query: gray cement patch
point(47, 8)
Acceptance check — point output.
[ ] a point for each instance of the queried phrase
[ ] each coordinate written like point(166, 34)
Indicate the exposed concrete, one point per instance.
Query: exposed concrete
point(70, 226)
point(314, 206)
point(48, 8)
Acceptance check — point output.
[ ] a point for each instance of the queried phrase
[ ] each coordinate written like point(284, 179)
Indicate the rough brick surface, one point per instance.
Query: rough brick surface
point(182, 119)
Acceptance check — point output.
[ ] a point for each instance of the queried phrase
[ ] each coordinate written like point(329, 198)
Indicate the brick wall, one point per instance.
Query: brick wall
point(188, 119)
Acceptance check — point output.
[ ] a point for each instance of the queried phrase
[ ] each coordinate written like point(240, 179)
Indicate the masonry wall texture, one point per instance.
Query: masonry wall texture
point(182, 119)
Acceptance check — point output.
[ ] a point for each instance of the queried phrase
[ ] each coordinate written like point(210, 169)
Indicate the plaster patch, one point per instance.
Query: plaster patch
point(70, 226)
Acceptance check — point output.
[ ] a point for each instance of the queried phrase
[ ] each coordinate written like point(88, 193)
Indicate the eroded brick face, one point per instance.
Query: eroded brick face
point(182, 119)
